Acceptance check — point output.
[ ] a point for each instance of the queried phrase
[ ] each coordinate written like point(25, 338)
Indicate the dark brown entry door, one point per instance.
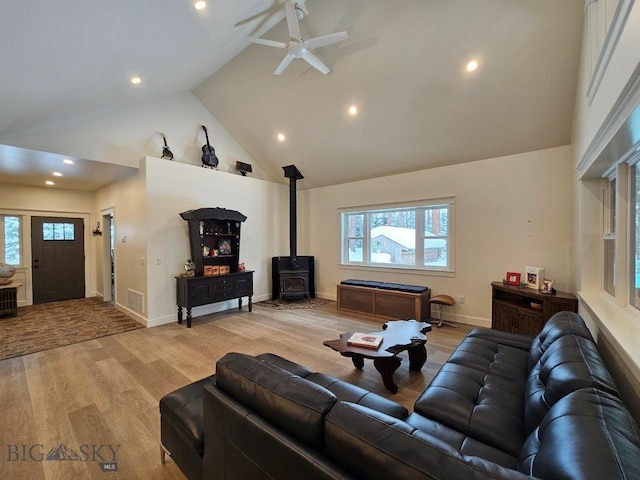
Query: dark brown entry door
point(57, 250)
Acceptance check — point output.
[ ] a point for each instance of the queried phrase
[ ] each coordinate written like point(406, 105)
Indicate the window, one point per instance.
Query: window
point(11, 239)
point(412, 236)
point(609, 238)
point(58, 231)
point(634, 237)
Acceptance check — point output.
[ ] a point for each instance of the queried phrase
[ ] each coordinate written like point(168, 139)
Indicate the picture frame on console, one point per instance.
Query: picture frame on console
point(512, 278)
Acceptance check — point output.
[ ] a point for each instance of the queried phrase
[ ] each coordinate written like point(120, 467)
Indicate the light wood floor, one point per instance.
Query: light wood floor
point(106, 391)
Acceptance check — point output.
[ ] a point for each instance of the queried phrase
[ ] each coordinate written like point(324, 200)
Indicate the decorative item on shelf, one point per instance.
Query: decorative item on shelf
point(97, 232)
point(211, 270)
point(536, 305)
point(205, 251)
point(224, 269)
point(547, 286)
point(241, 267)
point(243, 168)
point(209, 158)
point(189, 269)
point(224, 247)
point(512, 278)
point(201, 227)
point(6, 273)
point(166, 153)
point(534, 277)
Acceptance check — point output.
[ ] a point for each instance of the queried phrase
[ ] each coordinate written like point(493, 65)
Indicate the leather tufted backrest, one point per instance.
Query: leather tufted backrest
point(560, 324)
point(589, 434)
point(569, 364)
point(291, 403)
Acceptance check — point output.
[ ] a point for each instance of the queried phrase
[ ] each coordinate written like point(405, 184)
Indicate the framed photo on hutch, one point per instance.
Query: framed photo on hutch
point(513, 278)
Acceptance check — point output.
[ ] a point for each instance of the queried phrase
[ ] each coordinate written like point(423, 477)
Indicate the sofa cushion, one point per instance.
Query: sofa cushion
point(560, 324)
point(464, 444)
point(348, 392)
point(371, 444)
point(587, 434)
point(290, 402)
point(482, 405)
point(360, 283)
point(569, 364)
point(490, 356)
point(284, 364)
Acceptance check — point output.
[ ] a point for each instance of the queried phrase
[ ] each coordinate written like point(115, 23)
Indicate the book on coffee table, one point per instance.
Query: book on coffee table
point(366, 340)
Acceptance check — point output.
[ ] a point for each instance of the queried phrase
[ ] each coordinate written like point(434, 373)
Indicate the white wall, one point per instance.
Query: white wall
point(595, 123)
point(36, 201)
point(510, 212)
point(127, 199)
point(123, 137)
point(147, 209)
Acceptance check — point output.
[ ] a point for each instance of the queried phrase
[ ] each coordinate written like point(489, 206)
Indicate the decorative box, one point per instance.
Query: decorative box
point(210, 270)
point(224, 269)
point(534, 277)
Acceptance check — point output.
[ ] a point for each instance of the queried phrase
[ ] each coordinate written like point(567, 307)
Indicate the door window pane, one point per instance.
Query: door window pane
point(58, 231)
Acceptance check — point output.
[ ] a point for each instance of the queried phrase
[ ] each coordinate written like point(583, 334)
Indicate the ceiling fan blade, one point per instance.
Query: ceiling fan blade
point(324, 40)
point(284, 64)
point(268, 43)
point(292, 19)
point(315, 62)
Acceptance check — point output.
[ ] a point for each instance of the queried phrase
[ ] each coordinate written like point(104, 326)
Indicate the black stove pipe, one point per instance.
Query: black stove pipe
point(293, 174)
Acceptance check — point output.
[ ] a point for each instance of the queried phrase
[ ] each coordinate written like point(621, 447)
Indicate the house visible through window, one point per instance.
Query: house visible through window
point(11, 239)
point(413, 236)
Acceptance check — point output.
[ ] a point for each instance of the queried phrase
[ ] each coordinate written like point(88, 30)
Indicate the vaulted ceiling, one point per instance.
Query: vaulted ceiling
point(403, 66)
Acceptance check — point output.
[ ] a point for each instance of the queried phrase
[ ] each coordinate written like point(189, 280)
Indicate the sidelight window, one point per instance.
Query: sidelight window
point(11, 239)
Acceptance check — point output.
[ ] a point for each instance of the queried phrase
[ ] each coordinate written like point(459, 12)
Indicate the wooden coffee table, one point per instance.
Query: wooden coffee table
point(398, 336)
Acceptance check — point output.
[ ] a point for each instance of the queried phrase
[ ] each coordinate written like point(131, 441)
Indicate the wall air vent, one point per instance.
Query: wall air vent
point(136, 301)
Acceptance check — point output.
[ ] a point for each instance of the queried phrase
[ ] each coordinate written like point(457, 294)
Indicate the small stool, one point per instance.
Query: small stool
point(441, 301)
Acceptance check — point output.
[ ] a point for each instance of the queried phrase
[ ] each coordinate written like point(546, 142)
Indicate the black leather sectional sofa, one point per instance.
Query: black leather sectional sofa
point(504, 406)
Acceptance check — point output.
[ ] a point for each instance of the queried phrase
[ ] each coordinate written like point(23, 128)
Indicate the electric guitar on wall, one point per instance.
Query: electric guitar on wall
point(209, 158)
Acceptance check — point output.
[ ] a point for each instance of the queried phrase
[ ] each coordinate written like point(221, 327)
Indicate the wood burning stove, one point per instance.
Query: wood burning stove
point(292, 276)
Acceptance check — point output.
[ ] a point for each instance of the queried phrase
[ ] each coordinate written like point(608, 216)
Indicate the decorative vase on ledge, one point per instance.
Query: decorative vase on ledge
point(6, 272)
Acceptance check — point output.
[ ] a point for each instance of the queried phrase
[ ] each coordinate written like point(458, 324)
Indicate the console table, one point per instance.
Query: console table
point(512, 309)
point(196, 291)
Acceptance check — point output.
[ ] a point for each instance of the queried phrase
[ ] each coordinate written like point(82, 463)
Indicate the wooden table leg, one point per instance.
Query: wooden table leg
point(417, 357)
point(180, 315)
point(358, 361)
point(250, 303)
point(240, 303)
point(188, 317)
point(386, 367)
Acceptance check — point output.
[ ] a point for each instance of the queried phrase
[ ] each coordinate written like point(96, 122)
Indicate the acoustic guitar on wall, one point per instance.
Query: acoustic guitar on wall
point(209, 158)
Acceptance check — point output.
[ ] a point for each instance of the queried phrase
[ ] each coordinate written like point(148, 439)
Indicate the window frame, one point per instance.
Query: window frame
point(420, 207)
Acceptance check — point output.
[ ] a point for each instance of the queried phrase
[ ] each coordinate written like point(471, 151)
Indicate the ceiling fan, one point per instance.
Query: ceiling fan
point(297, 47)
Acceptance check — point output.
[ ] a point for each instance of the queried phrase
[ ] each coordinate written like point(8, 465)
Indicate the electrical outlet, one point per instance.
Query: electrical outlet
point(461, 299)
point(158, 260)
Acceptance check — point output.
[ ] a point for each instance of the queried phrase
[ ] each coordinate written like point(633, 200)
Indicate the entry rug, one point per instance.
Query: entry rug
point(284, 304)
point(56, 324)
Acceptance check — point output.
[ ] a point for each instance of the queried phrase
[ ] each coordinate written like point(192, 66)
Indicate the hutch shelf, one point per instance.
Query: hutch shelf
point(512, 309)
point(214, 240)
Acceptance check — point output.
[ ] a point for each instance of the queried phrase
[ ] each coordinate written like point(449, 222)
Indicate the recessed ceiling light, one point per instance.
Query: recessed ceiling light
point(49, 182)
point(200, 5)
point(281, 137)
point(353, 110)
point(472, 65)
point(136, 80)
point(57, 174)
point(67, 161)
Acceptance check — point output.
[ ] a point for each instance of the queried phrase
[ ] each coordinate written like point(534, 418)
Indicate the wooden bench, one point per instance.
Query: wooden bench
point(385, 300)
